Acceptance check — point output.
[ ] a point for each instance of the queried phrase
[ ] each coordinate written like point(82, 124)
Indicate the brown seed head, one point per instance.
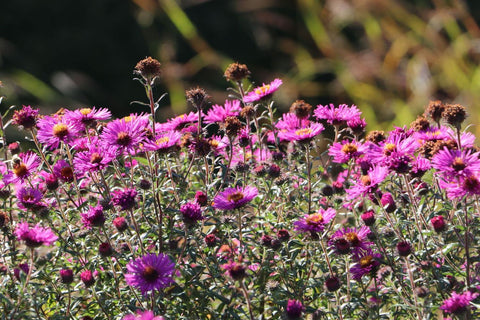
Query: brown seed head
point(197, 97)
point(454, 114)
point(232, 126)
point(247, 112)
point(434, 110)
point(149, 69)
point(376, 136)
point(301, 109)
point(420, 124)
point(236, 72)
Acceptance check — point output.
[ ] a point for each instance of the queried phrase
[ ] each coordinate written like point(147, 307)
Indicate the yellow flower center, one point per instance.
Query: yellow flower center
point(314, 219)
point(262, 90)
point(304, 131)
point(85, 111)
point(366, 261)
point(349, 148)
point(352, 237)
point(60, 130)
point(95, 158)
point(162, 140)
point(128, 119)
point(365, 180)
point(214, 143)
point(458, 164)
point(123, 138)
point(389, 148)
point(20, 169)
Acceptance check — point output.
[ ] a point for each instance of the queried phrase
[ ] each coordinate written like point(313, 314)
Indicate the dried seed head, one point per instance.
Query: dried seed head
point(301, 109)
point(232, 126)
point(197, 97)
point(236, 72)
point(247, 112)
point(434, 110)
point(149, 69)
point(454, 114)
point(420, 124)
point(376, 136)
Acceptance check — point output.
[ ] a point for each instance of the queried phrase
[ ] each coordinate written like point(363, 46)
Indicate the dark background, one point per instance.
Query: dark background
point(389, 57)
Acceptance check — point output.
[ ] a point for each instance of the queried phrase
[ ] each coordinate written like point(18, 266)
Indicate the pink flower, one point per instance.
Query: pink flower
point(36, 236)
point(458, 303)
point(315, 222)
point(233, 198)
point(263, 92)
point(220, 113)
point(54, 130)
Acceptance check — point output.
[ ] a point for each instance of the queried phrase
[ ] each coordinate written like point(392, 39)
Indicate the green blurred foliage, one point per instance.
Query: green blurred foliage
point(389, 57)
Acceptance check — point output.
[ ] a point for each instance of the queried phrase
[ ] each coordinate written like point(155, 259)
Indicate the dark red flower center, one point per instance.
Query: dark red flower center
point(150, 274)
point(20, 169)
point(67, 173)
point(352, 237)
point(123, 138)
point(235, 197)
point(471, 184)
point(95, 158)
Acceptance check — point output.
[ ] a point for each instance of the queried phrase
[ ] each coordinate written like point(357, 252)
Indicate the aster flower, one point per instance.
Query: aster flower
point(87, 278)
point(125, 134)
point(150, 272)
point(451, 164)
point(458, 303)
point(346, 240)
point(290, 122)
point(145, 315)
point(233, 198)
point(35, 236)
point(95, 158)
point(235, 270)
point(163, 142)
point(304, 134)
point(87, 117)
point(94, 217)
point(54, 130)
point(28, 197)
point(64, 171)
point(124, 198)
point(181, 122)
point(315, 222)
point(24, 165)
point(367, 262)
point(346, 150)
point(191, 212)
point(463, 186)
point(25, 117)
point(220, 113)
point(337, 116)
point(367, 183)
point(263, 92)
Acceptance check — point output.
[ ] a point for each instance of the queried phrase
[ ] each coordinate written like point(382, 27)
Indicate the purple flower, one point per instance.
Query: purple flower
point(163, 142)
point(28, 197)
point(451, 164)
point(124, 198)
point(125, 134)
point(458, 303)
point(220, 113)
point(181, 122)
point(66, 276)
point(64, 171)
point(94, 159)
point(367, 183)
point(87, 278)
point(150, 272)
point(263, 92)
point(463, 186)
point(25, 117)
point(145, 315)
point(235, 270)
point(233, 198)
point(87, 117)
point(367, 262)
point(347, 239)
point(35, 236)
point(337, 116)
point(94, 217)
point(346, 150)
point(192, 212)
point(315, 222)
point(53, 130)
point(23, 166)
point(294, 309)
point(304, 134)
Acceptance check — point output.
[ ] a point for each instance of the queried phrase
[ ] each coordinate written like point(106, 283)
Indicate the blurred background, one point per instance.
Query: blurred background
point(389, 57)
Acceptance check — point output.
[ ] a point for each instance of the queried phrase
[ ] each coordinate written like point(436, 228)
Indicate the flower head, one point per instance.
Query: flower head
point(220, 113)
point(458, 303)
point(28, 197)
point(95, 158)
point(25, 117)
point(94, 217)
point(367, 262)
point(294, 309)
point(54, 130)
point(145, 315)
point(191, 212)
point(87, 117)
point(23, 166)
point(124, 198)
point(64, 171)
point(150, 272)
point(337, 116)
point(304, 134)
point(350, 239)
point(263, 92)
point(35, 236)
point(315, 222)
point(233, 198)
point(125, 134)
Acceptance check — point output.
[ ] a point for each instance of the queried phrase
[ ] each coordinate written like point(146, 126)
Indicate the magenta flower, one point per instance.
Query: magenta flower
point(124, 198)
point(150, 272)
point(125, 134)
point(23, 167)
point(182, 122)
point(458, 303)
point(94, 217)
point(28, 197)
point(367, 262)
point(263, 92)
point(87, 278)
point(54, 130)
point(220, 113)
point(304, 134)
point(64, 171)
point(288, 123)
point(233, 198)
point(191, 212)
point(145, 315)
point(346, 150)
point(348, 240)
point(87, 117)
point(235, 270)
point(25, 117)
point(367, 183)
point(294, 309)
point(337, 116)
point(463, 186)
point(94, 159)
point(35, 236)
point(451, 164)
point(163, 142)
point(315, 222)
